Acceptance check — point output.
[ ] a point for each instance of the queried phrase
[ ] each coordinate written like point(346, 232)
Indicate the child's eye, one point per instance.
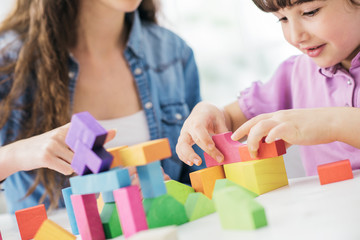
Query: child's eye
point(311, 13)
point(284, 19)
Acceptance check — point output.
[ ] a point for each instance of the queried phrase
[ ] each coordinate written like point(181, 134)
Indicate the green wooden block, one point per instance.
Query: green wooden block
point(238, 212)
point(163, 211)
point(224, 183)
point(178, 190)
point(198, 205)
point(110, 221)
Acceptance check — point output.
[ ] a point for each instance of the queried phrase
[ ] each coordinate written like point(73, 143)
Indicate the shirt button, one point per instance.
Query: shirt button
point(178, 116)
point(349, 82)
point(346, 104)
point(71, 74)
point(137, 71)
point(148, 105)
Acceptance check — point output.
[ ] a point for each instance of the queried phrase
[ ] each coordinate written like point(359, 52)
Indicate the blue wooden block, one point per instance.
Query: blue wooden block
point(108, 197)
point(101, 182)
point(151, 180)
point(85, 128)
point(67, 192)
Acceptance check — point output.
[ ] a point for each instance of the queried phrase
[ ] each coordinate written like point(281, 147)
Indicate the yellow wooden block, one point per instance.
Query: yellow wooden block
point(100, 203)
point(204, 180)
point(259, 176)
point(51, 231)
point(144, 153)
point(115, 152)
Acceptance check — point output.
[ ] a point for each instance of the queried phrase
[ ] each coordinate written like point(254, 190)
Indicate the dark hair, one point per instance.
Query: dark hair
point(276, 5)
point(47, 30)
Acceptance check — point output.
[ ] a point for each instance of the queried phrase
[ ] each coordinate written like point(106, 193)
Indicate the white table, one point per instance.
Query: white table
point(302, 210)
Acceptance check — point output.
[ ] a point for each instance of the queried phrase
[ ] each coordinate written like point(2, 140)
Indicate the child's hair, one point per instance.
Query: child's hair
point(47, 30)
point(276, 5)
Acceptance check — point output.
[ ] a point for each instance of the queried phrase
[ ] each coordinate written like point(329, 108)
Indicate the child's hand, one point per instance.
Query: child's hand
point(296, 126)
point(204, 120)
point(135, 177)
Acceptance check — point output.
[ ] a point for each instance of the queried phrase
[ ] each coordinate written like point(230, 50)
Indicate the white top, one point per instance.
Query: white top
point(132, 129)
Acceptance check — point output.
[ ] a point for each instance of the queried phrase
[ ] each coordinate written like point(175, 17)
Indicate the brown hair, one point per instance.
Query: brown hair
point(47, 29)
point(276, 5)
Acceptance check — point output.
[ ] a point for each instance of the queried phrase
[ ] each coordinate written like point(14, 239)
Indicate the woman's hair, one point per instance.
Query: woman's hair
point(276, 5)
point(47, 29)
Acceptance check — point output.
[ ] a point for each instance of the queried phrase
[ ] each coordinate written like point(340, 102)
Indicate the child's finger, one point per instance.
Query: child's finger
point(60, 166)
point(244, 129)
point(185, 151)
point(205, 142)
point(110, 136)
point(282, 131)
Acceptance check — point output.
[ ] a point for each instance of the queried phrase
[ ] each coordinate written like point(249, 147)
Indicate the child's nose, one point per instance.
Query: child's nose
point(298, 33)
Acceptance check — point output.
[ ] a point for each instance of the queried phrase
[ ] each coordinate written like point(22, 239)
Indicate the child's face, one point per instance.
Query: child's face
point(326, 30)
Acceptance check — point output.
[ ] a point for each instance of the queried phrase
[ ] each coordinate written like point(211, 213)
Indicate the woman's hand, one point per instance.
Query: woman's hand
point(204, 120)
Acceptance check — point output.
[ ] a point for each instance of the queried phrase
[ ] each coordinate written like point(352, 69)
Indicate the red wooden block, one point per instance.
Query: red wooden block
point(266, 150)
point(0, 236)
point(228, 147)
point(29, 220)
point(335, 171)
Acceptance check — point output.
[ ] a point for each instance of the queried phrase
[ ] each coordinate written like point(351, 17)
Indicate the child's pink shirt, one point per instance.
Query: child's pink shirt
point(300, 83)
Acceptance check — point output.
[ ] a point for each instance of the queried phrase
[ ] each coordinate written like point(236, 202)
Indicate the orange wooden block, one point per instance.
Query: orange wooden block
point(29, 220)
point(335, 172)
point(266, 150)
point(115, 152)
point(204, 180)
point(51, 231)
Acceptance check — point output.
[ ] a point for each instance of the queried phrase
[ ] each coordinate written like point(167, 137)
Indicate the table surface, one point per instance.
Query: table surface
point(302, 210)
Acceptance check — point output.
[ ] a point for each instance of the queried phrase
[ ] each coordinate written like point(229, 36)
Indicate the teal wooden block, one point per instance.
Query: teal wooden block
point(164, 211)
point(178, 190)
point(238, 211)
point(110, 221)
point(151, 180)
point(67, 192)
point(224, 183)
point(101, 182)
point(198, 205)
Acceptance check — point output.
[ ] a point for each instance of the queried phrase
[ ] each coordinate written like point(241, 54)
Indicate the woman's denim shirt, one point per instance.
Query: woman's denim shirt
point(167, 80)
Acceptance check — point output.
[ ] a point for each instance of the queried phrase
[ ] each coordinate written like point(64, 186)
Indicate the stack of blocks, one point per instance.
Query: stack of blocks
point(263, 174)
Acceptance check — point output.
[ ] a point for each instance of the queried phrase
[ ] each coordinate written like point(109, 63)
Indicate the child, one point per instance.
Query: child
point(312, 100)
point(109, 58)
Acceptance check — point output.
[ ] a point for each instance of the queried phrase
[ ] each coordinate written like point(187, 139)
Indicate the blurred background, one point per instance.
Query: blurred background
point(234, 44)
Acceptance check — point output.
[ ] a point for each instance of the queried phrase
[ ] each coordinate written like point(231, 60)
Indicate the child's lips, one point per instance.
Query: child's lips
point(314, 51)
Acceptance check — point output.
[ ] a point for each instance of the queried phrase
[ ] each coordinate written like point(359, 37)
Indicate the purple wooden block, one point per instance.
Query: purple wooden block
point(85, 128)
point(97, 160)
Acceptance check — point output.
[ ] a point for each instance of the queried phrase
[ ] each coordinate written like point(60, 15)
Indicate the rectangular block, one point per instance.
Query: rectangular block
point(110, 221)
point(101, 182)
point(115, 152)
point(266, 150)
point(87, 217)
point(151, 180)
point(130, 209)
point(67, 192)
point(29, 220)
point(335, 172)
point(85, 128)
point(49, 230)
point(144, 153)
point(204, 180)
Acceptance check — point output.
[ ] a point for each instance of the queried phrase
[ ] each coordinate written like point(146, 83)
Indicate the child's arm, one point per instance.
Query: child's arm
point(204, 120)
point(303, 127)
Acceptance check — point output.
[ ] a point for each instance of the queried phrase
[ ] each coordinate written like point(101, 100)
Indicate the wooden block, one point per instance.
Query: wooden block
point(238, 212)
point(163, 233)
point(0, 236)
point(144, 153)
point(96, 160)
point(198, 205)
point(100, 203)
point(265, 151)
point(115, 152)
point(67, 192)
point(224, 183)
point(228, 147)
point(151, 180)
point(110, 221)
point(178, 190)
point(101, 182)
point(258, 176)
point(29, 220)
point(130, 209)
point(49, 230)
point(85, 128)
point(164, 211)
point(108, 197)
point(204, 180)
point(87, 216)
point(335, 172)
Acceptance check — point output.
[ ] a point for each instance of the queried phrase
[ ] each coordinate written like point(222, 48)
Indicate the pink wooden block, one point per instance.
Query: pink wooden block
point(87, 217)
point(0, 236)
point(228, 147)
point(131, 211)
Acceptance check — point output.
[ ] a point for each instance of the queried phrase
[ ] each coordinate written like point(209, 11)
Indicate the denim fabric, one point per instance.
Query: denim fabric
point(167, 80)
